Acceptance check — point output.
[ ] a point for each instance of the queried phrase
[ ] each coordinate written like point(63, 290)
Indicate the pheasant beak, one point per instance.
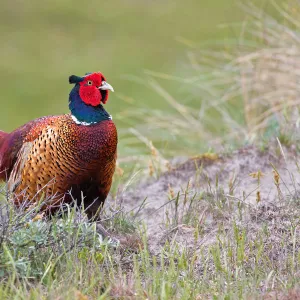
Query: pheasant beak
point(106, 86)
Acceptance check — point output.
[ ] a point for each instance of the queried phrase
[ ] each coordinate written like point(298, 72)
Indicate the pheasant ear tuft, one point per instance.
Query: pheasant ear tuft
point(75, 79)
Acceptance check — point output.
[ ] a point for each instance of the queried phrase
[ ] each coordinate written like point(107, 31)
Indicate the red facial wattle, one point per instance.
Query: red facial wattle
point(89, 90)
point(90, 95)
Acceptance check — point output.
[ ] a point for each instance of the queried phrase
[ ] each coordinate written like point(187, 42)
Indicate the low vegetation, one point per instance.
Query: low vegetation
point(206, 240)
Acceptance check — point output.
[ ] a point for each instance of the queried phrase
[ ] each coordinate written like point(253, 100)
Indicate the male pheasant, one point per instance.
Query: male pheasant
point(60, 158)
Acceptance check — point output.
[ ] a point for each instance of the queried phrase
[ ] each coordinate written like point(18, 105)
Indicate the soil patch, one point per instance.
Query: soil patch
point(262, 180)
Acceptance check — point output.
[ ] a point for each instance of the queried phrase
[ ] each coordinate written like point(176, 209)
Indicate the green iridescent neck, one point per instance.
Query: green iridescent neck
point(83, 113)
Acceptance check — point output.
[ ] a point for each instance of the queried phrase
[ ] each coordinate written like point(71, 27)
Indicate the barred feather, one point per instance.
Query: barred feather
point(55, 155)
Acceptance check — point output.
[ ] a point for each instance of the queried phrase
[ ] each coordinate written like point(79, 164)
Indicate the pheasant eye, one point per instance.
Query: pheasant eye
point(89, 82)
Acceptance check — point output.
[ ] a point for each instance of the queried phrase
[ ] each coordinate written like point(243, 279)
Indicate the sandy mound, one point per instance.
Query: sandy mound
point(261, 180)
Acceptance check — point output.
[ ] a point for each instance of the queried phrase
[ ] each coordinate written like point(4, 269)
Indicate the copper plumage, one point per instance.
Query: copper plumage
point(59, 158)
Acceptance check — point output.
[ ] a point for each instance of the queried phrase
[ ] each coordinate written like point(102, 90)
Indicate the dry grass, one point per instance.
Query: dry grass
point(247, 92)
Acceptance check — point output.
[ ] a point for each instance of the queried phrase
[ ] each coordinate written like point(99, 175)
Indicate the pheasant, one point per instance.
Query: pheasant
point(62, 158)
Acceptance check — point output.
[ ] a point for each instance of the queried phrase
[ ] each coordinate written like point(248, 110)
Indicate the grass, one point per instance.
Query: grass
point(243, 94)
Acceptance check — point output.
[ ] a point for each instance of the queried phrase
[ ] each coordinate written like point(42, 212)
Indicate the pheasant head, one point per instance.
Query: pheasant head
point(87, 97)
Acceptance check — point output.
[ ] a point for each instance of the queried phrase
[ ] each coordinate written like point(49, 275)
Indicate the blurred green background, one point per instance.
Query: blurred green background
point(43, 42)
